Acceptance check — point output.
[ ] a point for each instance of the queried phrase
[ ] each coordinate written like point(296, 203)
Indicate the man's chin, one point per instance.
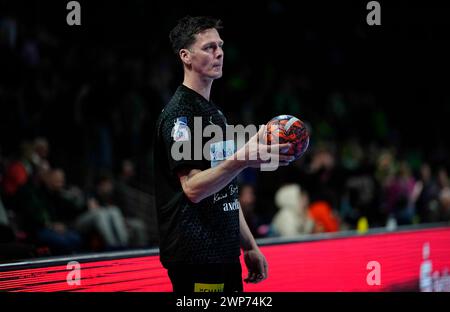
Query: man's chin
point(217, 75)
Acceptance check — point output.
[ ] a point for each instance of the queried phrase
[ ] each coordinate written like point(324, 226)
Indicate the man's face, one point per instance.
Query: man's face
point(206, 54)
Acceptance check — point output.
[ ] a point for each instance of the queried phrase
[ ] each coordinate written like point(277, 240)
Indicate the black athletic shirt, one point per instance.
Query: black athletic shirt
point(206, 232)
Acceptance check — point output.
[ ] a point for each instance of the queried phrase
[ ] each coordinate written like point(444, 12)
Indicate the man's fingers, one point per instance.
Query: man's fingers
point(275, 148)
point(284, 148)
point(261, 265)
point(266, 269)
point(286, 158)
point(261, 134)
point(251, 278)
point(262, 275)
point(279, 158)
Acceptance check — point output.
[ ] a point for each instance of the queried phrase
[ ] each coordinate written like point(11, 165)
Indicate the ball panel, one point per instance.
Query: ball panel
point(288, 129)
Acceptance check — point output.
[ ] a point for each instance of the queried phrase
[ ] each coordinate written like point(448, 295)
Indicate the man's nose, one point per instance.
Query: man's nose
point(219, 53)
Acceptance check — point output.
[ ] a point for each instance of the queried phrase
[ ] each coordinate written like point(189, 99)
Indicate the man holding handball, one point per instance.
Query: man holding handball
point(201, 225)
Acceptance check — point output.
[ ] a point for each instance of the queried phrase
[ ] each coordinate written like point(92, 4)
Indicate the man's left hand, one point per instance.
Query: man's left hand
point(257, 266)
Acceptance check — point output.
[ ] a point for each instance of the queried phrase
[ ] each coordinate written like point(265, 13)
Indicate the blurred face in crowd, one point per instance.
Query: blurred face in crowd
point(322, 159)
point(127, 169)
point(205, 56)
point(443, 178)
point(105, 187)
point(56, 180)
point(42, 172)
point(444, 198)
point(425, 172)
point(247, 197)
point(41, 147)
point(385, 161)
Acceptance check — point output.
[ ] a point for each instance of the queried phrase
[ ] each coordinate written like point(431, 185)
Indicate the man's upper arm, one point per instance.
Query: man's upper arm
point(180, 121)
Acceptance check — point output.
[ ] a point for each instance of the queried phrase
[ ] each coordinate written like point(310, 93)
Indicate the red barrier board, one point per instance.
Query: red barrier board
point(416, 260)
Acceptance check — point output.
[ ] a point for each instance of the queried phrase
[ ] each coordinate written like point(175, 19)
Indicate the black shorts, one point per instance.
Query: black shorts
point(189, 278)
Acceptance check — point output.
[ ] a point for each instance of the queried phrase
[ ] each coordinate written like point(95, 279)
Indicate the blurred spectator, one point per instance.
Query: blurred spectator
point(292, 218)
point(48, 214)
point(360, 198)
point(6, 232)
point(325, 220)
point(427, 202)
point(385, 167)
point(103, 216)
point(247, 199)
point(324, 181)
point(3, 214)
point(126, 189)
point(442, 178)
point(400, 196)
point(127, 174)
point(40, 154)
point(18, 171)
point(131, 199)
point(444, 195)
point(10, 248)
point(444, 205)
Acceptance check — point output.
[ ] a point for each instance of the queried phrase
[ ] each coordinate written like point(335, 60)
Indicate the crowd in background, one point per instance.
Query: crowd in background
point(78, 113)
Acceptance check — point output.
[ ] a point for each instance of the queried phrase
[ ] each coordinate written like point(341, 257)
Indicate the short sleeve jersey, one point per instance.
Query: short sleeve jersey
point(197, 233)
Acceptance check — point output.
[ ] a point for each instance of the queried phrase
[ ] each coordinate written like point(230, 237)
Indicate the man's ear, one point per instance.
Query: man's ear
point(185, 56)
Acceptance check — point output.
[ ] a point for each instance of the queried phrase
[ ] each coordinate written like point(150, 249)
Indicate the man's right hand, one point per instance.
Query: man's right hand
point(198, 184)
point(255, 152)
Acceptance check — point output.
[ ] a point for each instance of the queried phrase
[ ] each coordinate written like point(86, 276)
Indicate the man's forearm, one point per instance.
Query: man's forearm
point(207, 182)
point(247, 240)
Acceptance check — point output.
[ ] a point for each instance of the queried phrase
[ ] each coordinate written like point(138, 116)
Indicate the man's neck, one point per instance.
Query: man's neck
point(201, 86)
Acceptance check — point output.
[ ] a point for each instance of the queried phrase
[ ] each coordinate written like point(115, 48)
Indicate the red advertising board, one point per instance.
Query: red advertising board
point(416, 260)
point(380, 262)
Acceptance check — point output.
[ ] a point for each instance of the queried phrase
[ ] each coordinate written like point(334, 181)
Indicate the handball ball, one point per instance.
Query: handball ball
point(288, 129)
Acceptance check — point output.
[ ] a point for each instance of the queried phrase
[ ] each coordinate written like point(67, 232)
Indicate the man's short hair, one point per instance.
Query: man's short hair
point(183, 34)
